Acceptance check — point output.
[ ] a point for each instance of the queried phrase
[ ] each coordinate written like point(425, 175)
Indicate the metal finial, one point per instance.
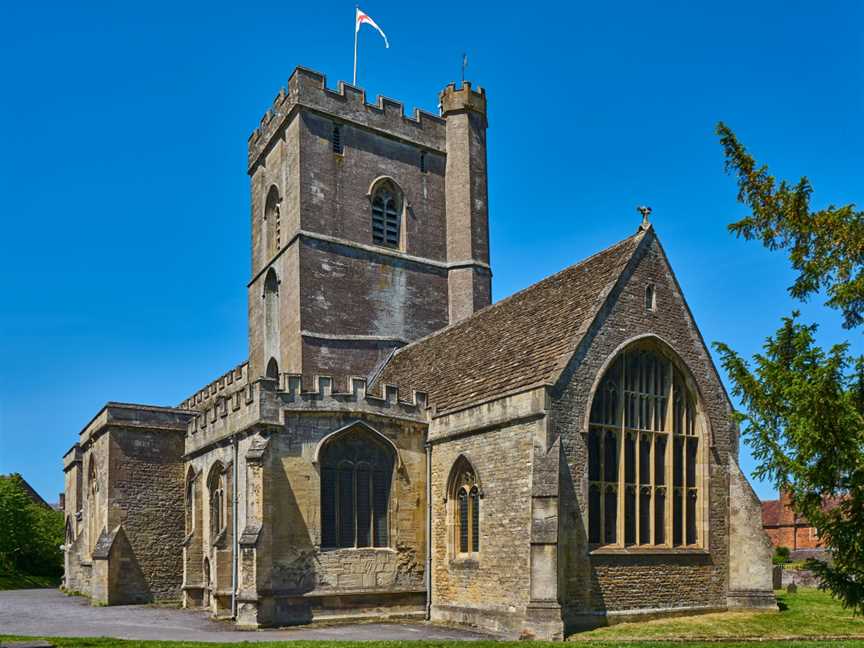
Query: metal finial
point(645, 211)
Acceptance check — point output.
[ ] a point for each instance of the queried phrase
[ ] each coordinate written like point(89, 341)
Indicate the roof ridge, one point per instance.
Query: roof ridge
point(640, 233)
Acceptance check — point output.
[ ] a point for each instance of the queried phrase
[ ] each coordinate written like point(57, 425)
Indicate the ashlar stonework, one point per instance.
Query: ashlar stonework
point(395, 445)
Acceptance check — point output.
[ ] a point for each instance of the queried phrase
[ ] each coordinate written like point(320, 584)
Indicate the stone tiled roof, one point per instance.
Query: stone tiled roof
point(522, 341)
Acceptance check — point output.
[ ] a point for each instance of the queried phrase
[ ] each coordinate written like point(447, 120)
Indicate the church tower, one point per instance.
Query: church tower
point(369, 228)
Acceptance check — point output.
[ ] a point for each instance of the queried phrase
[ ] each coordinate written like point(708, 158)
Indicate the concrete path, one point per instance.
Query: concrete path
point(45, 612)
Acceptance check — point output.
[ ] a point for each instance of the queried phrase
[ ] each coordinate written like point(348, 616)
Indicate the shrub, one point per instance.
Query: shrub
point(30, 534)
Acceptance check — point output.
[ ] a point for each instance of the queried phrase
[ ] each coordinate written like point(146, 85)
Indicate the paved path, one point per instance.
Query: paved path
point(51, 613)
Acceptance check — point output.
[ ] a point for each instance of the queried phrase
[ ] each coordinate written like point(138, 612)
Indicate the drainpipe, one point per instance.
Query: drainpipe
point(428, 531)
point(235, 543)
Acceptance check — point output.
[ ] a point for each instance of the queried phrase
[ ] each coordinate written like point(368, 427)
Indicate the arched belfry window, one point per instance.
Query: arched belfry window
point(464, 494)
point(272, 224)
point(386, 213)
point(218, 507)
point(645, 475)
point(356, 476)
point(273, 369)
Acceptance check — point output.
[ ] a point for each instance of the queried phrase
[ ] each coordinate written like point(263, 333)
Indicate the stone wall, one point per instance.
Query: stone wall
point(493, 591)
point(146, 476)
point(303, 572)
point(594, 584)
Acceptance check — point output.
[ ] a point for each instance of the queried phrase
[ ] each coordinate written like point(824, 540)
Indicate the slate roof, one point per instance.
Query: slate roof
point(518, 343)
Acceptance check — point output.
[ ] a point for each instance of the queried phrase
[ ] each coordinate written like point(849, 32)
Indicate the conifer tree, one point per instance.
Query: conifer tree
point(804, 405)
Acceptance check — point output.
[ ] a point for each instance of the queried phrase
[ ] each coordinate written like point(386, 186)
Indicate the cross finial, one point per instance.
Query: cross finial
point(645, 211)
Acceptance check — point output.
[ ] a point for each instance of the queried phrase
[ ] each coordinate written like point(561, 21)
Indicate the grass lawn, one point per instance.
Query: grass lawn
point(22, 581)
point(808, 613)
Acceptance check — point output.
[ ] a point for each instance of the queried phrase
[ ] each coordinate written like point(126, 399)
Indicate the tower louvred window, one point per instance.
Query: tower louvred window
point(386, 209)
point(645, 481)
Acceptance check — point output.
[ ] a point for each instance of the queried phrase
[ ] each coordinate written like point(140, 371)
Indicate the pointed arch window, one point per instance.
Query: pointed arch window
point(386, 214)
point(273, 369)
point(218, 508)
point(464, 492)
point(272, 221)
point(190, 501)
point(645, 473)
point(356, 478)
point(93, 504)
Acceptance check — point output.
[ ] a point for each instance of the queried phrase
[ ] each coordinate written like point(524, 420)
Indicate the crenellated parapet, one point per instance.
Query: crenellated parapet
point(266, 401)
point(72, 458)
point(227, 382)
point(308, 89)
point(453, 99)
point(325, 395)
point(254, 404)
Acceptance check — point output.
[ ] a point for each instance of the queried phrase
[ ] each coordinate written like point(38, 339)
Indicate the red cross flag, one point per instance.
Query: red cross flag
point(359, 18)
point(363, 17)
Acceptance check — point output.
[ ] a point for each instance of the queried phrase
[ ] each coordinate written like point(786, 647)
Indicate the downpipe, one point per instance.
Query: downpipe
point(428, 569)
point(235, 543)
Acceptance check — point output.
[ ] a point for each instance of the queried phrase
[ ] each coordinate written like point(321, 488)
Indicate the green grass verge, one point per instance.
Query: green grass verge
point(24, 581)
point(807, 613)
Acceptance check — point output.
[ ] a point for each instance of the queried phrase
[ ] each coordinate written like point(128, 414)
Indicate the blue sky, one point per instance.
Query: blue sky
point(125, 246)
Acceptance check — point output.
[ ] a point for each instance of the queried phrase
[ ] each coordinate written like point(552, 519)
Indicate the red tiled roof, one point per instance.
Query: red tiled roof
point(522, 341)
point(771, 513)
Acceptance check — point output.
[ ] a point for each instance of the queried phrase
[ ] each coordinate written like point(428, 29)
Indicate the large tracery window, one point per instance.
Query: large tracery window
point(356, 475)
point(644, 474)
point(386, 214)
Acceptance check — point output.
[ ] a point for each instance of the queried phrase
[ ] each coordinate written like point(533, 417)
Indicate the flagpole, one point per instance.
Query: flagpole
point(354, 82)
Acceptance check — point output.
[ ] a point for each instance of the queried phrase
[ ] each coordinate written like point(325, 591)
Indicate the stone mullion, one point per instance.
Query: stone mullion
point(670, 445)
point(621, 432)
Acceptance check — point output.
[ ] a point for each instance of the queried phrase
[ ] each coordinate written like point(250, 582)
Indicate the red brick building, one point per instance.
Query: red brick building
point(785, 528)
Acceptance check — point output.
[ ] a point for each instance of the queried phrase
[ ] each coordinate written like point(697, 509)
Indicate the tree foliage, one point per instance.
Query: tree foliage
point(825, 247)
point(804, 405)
point(30, 534)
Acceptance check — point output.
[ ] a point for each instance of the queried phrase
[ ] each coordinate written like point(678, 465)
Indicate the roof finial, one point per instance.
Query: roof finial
point(645, 211)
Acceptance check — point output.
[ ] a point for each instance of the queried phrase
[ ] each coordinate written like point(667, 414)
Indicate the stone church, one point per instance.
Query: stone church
point(396, 444)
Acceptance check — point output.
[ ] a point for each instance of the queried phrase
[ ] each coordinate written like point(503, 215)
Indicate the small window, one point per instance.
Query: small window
point(650, 299)
point(337, 139)
point(273, 369)
point(216, 486)
point(272, 224)
point(422, 161)
point(464, 492)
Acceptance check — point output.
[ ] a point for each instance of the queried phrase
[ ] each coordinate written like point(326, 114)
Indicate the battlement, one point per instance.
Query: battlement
point(325, 391)
point(237, 376)
point(307, 88)
point(262, 402)
point(454, 99)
